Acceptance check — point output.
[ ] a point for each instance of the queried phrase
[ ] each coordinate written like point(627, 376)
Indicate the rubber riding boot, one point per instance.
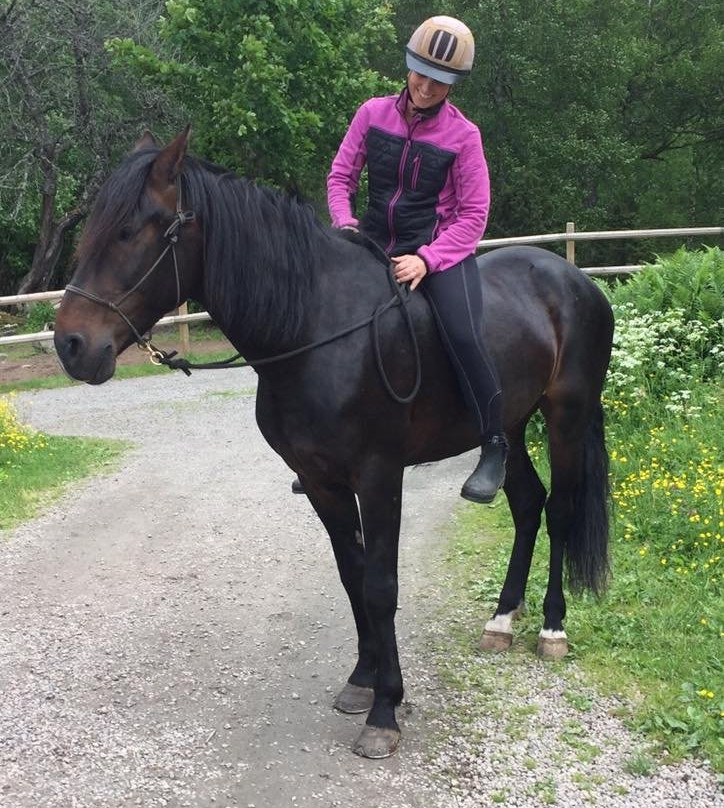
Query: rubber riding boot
point(297, 487)
point(483, 484)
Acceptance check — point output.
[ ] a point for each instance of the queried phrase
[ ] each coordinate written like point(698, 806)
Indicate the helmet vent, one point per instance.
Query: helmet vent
point(442, 46)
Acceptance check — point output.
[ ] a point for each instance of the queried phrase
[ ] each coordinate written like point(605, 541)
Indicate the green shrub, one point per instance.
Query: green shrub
point(39, 315)
point(690, 281)
point(669, 333)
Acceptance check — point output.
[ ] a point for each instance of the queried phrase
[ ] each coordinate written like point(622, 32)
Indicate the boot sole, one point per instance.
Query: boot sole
point(480, 500)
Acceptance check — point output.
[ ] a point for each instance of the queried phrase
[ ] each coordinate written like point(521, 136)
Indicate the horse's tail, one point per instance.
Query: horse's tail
point(587, 547)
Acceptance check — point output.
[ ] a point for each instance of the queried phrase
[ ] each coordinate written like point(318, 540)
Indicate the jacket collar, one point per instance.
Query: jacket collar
point(401, 105)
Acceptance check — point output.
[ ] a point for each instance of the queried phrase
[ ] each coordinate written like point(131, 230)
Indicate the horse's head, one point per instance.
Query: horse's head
point(140, 256)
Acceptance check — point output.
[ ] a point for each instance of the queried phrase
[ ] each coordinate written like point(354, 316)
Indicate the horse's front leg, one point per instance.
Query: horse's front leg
point(380, 498)
point(337, 508)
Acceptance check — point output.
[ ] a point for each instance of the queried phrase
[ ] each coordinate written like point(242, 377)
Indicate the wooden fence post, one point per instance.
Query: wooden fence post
point(183, 330)
point(571, 245)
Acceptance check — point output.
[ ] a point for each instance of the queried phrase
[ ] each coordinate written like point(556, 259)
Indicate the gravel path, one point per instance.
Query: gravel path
point(172, 634)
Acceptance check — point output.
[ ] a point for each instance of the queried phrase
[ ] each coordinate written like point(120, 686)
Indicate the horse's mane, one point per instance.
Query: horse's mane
point(260, 244)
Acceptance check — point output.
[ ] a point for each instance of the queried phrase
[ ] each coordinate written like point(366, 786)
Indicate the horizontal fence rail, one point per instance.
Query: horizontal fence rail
point(600, 235)
point(35, 297)
point(47, 336)
point(569, 237)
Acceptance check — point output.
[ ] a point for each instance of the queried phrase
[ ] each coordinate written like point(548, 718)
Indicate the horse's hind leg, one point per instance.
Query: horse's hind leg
point(567, 421)
point(337, 508)
point(526, 497)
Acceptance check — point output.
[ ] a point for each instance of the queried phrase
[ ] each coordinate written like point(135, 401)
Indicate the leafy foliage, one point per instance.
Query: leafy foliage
point(39, 315)
point(669, 331)
point(66, 117)
point(692, 281)
point(609, 114)
point(270, 85)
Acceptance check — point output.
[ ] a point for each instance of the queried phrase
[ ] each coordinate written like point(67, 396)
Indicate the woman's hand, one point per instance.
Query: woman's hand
point(409, 269)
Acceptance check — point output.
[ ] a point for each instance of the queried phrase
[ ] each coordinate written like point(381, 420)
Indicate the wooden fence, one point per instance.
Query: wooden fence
point(570, 237)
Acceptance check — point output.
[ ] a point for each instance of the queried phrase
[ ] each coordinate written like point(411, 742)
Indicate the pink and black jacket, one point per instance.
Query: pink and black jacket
point(429, 191)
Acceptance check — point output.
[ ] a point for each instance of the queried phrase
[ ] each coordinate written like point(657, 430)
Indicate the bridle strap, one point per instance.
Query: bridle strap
point(108, 304)
point(171, 235)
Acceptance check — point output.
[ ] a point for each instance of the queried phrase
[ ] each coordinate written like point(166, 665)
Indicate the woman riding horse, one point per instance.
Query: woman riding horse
point(429, 197)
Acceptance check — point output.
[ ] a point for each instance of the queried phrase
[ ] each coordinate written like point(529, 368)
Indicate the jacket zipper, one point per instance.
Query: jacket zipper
point(416, 162)
point(398, 193)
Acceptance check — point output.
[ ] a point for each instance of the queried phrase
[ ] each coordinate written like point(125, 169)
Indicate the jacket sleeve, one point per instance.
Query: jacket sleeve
point(343, 178)
point(472, 191)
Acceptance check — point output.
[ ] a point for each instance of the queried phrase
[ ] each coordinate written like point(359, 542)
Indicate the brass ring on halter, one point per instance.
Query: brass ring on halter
point(154, 354)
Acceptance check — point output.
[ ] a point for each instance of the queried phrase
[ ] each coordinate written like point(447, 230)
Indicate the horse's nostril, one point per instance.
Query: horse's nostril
point(74, 344)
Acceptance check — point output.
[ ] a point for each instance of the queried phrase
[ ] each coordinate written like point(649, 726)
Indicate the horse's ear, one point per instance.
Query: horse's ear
point(167, 165)
point(146, 141)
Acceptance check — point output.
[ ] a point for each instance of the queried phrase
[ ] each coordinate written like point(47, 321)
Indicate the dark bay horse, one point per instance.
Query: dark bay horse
point(167, 227)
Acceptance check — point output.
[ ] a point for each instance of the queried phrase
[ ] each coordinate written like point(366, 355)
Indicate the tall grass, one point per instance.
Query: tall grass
point(658, 632)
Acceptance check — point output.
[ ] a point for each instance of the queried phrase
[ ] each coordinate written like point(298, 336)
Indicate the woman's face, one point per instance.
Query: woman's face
point(425, 92)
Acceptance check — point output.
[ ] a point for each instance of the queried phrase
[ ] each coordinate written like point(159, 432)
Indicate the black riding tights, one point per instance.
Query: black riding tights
point(456, 298)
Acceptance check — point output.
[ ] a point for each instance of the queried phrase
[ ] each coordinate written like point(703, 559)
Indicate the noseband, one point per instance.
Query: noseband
point(171, 235)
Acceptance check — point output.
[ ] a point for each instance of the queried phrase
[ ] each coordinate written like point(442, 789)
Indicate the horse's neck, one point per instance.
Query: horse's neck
point(349, 284)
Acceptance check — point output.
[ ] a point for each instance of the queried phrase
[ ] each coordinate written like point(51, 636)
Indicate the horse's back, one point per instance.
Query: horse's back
point(537, 277)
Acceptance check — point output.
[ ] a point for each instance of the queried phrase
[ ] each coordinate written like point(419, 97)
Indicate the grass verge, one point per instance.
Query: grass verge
point(656, 636)
point(36, 469)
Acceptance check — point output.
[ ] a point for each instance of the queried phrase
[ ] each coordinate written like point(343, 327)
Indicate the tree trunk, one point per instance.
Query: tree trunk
point(51, 237)
point(47, 252)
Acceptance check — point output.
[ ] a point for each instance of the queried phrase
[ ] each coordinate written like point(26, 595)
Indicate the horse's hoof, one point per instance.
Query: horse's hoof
point(354, 699)
point(552, 647)
point(377, 742)
point(495, 641)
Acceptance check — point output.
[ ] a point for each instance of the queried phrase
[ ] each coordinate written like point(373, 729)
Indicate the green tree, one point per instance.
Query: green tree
point(64, 117)
point(270, 84)
point(673, 113)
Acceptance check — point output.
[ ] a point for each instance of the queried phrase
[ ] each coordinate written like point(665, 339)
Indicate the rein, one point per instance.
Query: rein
point(160, 357)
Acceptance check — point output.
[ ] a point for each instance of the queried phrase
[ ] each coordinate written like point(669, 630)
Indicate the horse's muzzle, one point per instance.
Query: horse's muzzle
point(83, 362)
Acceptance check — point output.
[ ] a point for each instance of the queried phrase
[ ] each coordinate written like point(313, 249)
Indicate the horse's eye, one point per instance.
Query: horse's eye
point(125, 234)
